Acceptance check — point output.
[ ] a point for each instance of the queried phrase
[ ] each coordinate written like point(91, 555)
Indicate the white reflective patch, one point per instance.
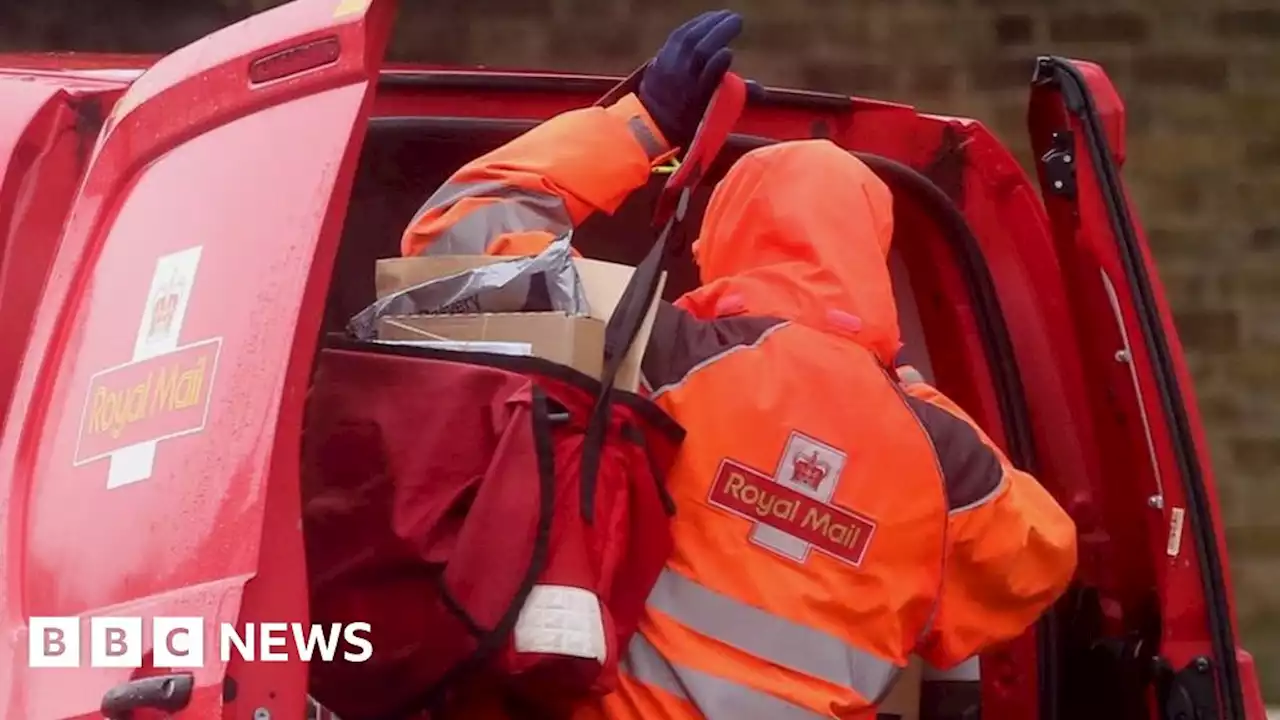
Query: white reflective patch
point(1177, 516)
point(561, 620)
point(517, 349)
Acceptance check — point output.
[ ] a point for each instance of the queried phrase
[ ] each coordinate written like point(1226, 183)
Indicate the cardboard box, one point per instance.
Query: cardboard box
point(575, 341)
point(903, 702)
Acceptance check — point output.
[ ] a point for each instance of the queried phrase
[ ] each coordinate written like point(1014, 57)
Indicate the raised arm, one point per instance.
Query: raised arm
point(516, 199)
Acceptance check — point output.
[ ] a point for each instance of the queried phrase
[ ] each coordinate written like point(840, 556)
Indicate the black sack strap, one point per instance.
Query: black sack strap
point(628, 317)
point(629, 84)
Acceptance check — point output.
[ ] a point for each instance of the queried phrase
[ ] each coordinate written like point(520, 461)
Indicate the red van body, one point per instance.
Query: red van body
point(202, 224)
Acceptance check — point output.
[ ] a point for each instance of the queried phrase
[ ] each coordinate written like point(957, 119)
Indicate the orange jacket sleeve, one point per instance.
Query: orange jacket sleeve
point(518, 198)
point(1011, 549)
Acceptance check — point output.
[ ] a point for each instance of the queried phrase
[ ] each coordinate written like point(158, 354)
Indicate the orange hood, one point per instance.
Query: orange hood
point(800, 231)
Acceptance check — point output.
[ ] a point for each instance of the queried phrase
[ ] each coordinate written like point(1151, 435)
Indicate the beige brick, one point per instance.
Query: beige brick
point(1255, 69)
point(1186, 284)
point(507, 43)
point(1186, 155)
point(1257, 577)
point(1265, 239)
point(1254, 111)
point(1203, 72)
point(931, 81)
point(1256, 372)
point(988, 74)
point(855, 78)
point(1209, 330)
point(1248, 24)
point(1116, 26)
point(1182, 119)
point(1014, 29)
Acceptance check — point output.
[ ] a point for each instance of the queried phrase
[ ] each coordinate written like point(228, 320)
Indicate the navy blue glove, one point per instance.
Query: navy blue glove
point(678, 84)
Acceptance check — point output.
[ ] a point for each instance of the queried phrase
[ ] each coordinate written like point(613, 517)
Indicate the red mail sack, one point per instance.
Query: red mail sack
point(499, 522)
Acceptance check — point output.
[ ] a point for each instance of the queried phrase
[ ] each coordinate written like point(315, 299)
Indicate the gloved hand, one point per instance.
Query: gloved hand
point(678, 84)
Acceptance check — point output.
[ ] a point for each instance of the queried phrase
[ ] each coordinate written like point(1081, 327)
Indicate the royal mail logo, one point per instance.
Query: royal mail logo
point(809, 471)
point(160, 398)
point(162, 392)
point(792, 510)
point(164, 308)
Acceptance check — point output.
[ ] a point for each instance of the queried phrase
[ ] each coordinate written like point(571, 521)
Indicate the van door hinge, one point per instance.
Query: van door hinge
point(1189, 693)
point(1060, 164)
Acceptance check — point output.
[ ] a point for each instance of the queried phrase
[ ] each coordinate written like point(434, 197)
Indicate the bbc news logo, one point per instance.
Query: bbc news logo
point(179, 642)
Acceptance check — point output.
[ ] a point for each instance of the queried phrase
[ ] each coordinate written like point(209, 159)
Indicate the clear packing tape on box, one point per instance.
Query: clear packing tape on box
point(541, 283)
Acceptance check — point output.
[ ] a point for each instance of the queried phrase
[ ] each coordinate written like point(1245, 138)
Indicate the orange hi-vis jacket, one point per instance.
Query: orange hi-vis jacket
point(829, 521)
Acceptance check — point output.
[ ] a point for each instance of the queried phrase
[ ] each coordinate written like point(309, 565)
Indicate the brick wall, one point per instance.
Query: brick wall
point(1202, 82)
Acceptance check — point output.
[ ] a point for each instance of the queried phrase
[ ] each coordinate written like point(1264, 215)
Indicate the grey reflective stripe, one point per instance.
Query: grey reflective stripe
point(517, 210)
point(653, 147)
point(771, 638)
point(716, 698)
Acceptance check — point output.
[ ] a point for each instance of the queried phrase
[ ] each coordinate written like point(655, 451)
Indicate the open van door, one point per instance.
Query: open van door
point(1164, 609)
point(47, 129)
point(151, 465)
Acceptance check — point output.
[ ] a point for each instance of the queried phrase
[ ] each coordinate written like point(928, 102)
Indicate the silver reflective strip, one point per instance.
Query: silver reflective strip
point(653, 147)
point(715, 697)
point(771, 638)
point(518, 210)
point(995, 492)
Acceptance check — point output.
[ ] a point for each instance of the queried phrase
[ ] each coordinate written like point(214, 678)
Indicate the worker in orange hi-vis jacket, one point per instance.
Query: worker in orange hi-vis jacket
point(830, 521)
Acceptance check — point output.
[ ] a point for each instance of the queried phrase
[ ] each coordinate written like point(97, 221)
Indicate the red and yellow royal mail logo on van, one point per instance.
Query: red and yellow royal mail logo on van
point(792, 511)
point(161, 397)
point(164, 308)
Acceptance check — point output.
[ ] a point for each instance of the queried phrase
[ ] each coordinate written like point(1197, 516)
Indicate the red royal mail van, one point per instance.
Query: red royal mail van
point(200, 220)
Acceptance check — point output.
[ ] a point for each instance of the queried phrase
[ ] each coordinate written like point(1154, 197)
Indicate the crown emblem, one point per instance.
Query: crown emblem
point(164, 307)
point(809, 470)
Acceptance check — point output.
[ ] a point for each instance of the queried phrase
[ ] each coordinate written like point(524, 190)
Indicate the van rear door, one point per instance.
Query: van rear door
point(151, 468)
point(1152, 444)
point(48, 127)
